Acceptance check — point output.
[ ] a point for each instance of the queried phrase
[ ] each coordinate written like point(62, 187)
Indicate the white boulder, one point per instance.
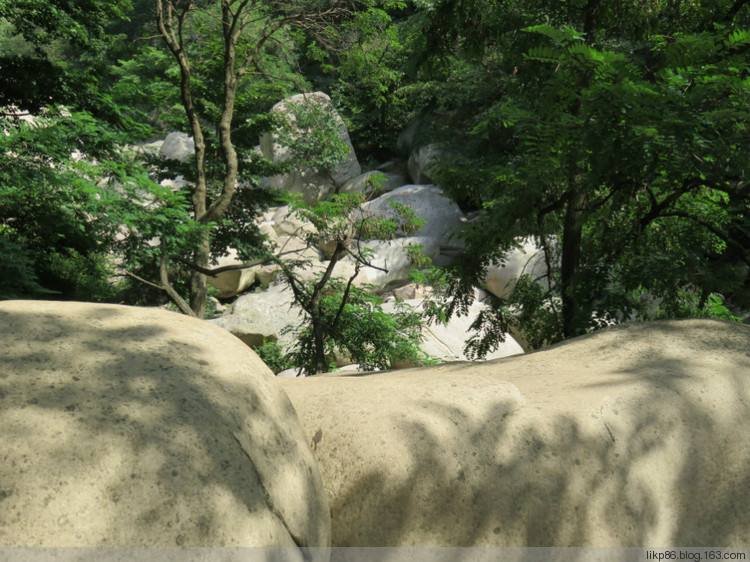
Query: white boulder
point(374, 181)
point(391, 260)
point(313, 185)
point(178, 146)
point(447, 341)
point(526, 259)
point(441, 213)
point(233, 281)
point(421, 161)
point(405, 140)
point(262, 315)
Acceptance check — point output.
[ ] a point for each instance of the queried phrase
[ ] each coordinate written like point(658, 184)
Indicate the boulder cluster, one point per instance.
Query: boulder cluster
point(263, 307)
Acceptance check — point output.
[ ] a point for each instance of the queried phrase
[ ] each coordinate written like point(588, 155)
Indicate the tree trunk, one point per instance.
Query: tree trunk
point(589, 22)
point(573, 309)
point(320, 349)
point(165, 16)
point(198, 288)
point(316, 312)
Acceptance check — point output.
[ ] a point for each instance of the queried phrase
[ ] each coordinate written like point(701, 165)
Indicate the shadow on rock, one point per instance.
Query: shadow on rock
point(127, 426)
point(634, 436)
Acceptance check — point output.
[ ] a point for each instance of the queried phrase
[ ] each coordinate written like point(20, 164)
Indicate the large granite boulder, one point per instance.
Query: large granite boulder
point(233, 281)
point(447, 341)
point(391, 261)
point(127, 426)
point(374, 181)
point(312, 185)
point(177, 146)
point(422, 161)
point(263, 316)
point(526, 259)
point(442, 216)
point(266, 315)
point(637, 435)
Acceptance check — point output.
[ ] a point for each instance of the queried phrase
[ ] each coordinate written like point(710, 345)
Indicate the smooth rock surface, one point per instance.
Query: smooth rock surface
point(526, 259)
point(637, 435)
point(178, 146)
point(233, 281)
point(421, 161)
point(447, 341)
point(374, 181)
point(441, 214)
point(127, 426)
point(262, 315)
point(390, 262)
point(312, 185)
point(392, 259)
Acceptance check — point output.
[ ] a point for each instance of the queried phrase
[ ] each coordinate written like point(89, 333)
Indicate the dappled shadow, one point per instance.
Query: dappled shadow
point(116, 433)
point(656, 453)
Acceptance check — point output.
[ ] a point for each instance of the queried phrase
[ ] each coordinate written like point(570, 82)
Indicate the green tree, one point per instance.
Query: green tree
point(63, 178)
point(55, 52)
point(63, 172)
point(620, 153)
point(236, 34)
point(369, 83)
point(340, 316)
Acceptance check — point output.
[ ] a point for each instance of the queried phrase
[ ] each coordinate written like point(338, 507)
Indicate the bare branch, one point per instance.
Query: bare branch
point(345, 297)
point(213, 272)
point(359, 259)
point(176, 298)
point(142, 280)
point(167, 286)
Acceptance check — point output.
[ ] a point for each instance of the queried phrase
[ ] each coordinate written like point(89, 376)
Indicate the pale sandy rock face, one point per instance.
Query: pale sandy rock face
point(126, 426)
point(263, 315)
point(405, 140)
point(391, 260)
point(233, 281)
point(421, 162)
point(286, 233)
point(374, 181)
point(411, 291)
point(638, 435)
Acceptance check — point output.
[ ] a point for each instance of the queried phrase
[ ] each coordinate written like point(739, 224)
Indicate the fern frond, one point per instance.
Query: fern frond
point(738, 38)
point(545, 54)
point(560, 36)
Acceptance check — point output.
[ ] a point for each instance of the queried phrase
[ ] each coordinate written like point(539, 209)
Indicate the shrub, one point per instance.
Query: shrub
point(273, 355)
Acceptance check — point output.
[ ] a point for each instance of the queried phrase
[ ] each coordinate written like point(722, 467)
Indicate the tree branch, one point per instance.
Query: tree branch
point(167, 287)
point(345, 297)
point(213, 272)
point(359, 259)
point(657, 208)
